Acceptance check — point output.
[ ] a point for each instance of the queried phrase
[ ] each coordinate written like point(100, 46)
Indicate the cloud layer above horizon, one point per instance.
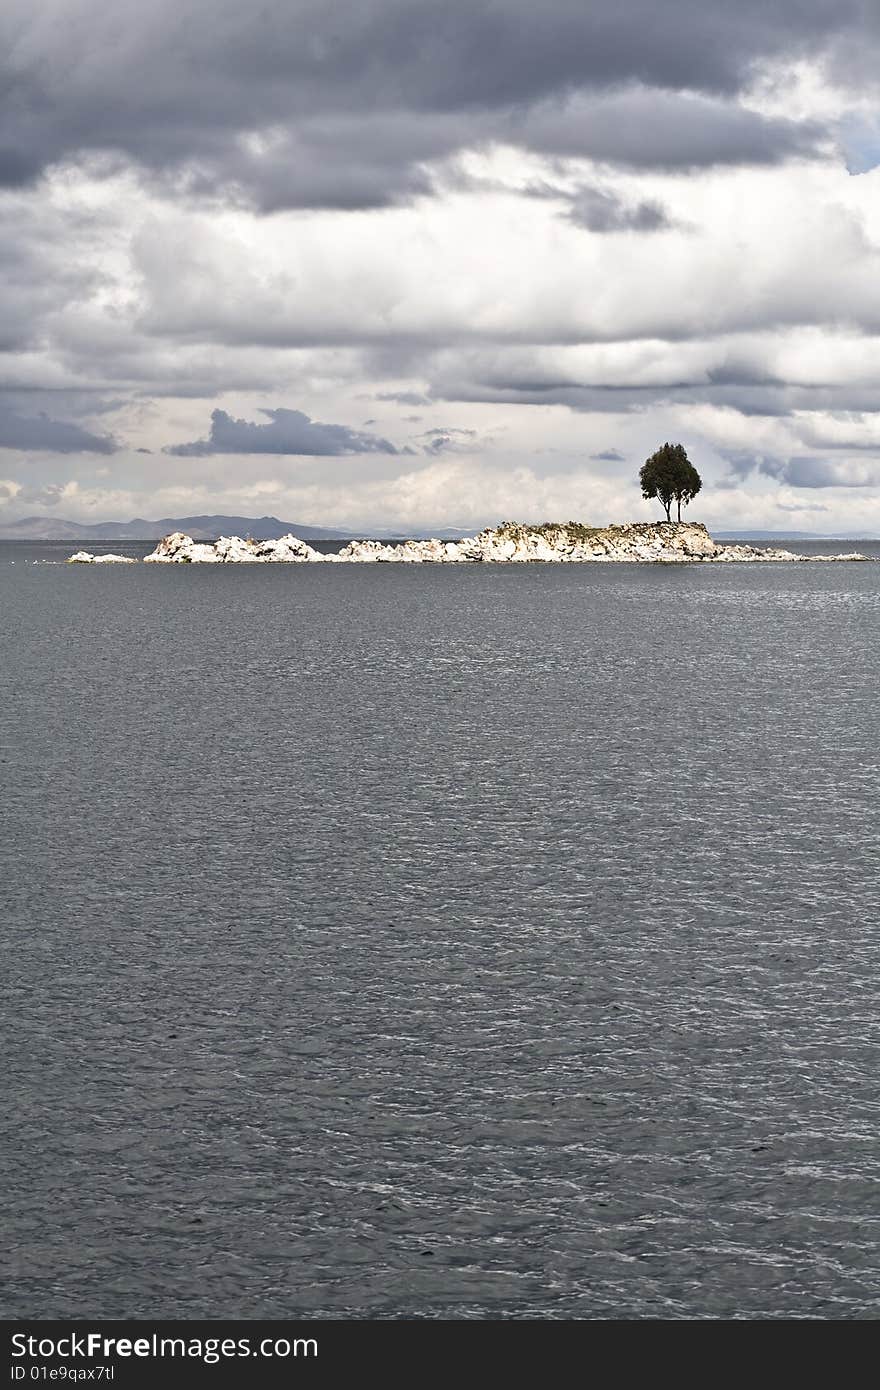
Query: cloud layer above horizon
point(404, 264)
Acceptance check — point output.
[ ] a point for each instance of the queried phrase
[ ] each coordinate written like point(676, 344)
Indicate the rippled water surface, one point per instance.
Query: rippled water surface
point(485, 941)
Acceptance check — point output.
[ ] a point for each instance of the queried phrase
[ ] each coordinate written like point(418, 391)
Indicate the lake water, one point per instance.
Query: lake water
point(468, 941)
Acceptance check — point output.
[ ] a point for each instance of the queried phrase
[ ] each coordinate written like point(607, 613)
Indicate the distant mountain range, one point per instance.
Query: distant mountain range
point(755, 535)
point(209, 528)
point(201, 528)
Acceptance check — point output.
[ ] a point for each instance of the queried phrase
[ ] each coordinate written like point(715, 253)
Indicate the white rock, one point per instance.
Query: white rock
point(83, 557)
point(287, 550)
point(510, 543)
point(174, 549)
point(232, 550)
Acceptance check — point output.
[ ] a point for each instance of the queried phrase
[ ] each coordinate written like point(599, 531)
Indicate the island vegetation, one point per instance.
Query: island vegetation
point(670, 476)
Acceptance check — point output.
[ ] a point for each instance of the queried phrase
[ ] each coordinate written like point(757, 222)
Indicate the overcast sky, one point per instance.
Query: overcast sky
point(396, 263)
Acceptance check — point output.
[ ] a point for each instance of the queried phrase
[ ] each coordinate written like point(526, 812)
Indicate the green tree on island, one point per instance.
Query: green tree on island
point(670, 476)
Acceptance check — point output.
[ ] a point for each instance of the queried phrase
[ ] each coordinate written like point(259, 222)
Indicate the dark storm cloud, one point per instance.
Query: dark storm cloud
point(343, 164)
point(471, 379)
point(288, 432)
point(641, 128)
point(742, 462)
point(40, 433)
point(351, 99)
point(811, 472)
point(596, 210)
point(801, 471)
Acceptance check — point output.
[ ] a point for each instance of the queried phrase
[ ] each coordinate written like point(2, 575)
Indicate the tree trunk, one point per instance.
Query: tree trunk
point(679, 508)
point(668, 506)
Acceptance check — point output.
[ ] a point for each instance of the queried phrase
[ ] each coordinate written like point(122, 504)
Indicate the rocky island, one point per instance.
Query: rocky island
point(510, 543)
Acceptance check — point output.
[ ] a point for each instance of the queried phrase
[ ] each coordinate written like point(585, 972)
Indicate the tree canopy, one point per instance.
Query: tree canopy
point(670, 476)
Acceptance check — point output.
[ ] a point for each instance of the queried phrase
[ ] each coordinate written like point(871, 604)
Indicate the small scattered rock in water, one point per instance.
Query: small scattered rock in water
point(83, 557)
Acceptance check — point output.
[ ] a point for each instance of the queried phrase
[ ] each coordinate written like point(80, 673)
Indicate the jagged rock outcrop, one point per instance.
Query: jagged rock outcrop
point(510, 543)
point(83, 557)
point(180, 549)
